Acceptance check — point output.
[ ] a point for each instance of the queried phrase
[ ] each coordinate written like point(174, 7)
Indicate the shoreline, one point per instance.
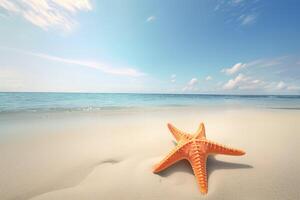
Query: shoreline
point(133, 109)
point(73, 102)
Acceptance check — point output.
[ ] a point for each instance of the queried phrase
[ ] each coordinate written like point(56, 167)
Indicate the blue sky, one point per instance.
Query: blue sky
point(208, 46)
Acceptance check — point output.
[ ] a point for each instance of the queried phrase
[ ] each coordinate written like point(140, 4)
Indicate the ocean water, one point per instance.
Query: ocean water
point(34, 102)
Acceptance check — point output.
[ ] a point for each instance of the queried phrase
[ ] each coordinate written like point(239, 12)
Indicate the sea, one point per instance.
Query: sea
point(35, 101)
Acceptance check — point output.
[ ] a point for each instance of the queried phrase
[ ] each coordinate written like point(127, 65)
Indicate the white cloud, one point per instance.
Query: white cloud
point(8, 5)
point(48, 14)
point(265, 62)
point(247, 19)
point(275, 75)
point(234, 83)
point(123, 71)
point(191, 85)
point(242, 82)
point(235, 68)
point(173, 78)
point(282, 68)
point(217, 7)
point(74, 6)
point(239, 11)
point(151, 18)
point(281, 85)
point(237, 1)
point(246, 83)
point(208, 78)
point(293, 88)
point(193, 82)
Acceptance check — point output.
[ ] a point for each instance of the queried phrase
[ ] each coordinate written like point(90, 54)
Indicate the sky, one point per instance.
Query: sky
point(170, 46)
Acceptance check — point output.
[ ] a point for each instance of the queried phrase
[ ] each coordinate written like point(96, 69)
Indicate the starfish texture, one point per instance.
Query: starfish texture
point(195, 148)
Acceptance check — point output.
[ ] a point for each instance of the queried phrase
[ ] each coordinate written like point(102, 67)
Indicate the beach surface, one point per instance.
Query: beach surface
point(109, 154)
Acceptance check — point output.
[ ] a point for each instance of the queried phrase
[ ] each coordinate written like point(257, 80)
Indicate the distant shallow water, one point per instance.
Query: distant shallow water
point(36, 102)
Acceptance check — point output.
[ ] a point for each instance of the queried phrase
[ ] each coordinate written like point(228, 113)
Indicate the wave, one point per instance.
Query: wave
point(70, 102)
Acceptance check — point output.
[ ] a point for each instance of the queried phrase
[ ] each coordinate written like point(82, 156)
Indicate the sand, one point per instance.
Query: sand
point(109, 154)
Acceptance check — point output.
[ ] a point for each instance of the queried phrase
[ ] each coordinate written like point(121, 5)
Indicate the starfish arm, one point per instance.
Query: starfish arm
point(200, 133)
point(178, 135)
point(174, 156)
point(215, 148)
point(198, 163)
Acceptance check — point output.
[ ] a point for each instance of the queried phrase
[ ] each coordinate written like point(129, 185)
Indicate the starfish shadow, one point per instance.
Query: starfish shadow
point(211, 165)
point(214, 164)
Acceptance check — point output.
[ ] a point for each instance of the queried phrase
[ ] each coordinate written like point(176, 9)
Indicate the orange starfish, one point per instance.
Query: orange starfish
point(194, 148)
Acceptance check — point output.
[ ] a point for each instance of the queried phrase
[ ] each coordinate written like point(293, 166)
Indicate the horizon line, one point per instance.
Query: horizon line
point(151, 93)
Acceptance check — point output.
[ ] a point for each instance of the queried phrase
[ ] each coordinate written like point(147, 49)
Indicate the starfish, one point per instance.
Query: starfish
point(195, 148)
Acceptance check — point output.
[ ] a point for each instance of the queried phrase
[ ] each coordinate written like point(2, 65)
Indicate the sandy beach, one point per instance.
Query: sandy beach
point(109, 154)
point(149, 100)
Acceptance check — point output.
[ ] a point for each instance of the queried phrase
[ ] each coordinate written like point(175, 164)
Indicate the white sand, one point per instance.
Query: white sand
point(109, 155)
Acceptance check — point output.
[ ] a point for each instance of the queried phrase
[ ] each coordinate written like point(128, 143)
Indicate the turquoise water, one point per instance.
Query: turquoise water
point(32, 102)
